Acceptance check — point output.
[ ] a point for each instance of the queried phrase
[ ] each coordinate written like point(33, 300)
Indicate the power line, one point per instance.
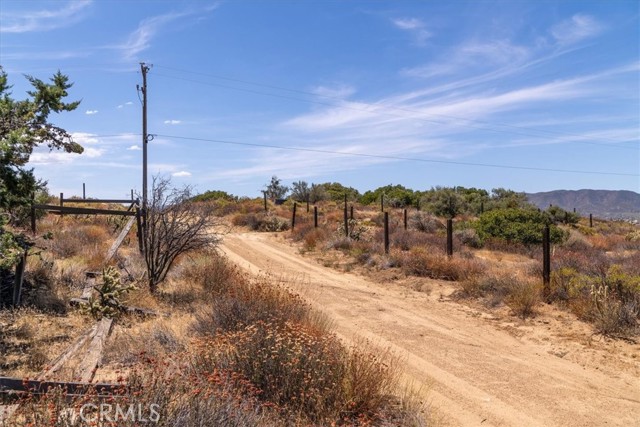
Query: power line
point(388, 157)
point(538, 132)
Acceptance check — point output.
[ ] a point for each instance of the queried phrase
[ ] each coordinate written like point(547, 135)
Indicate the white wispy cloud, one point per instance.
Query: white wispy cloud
point(125, 104)
point(483, 55)
point(417, 124)
point(172, 122)
point(134, 148)
point(44, 20)
point(181, 174)
point(408, 23)
point(414, 26)
point(57, 157)
point(91, 112)
point(84, 138)
point(140, 39)
point(576, 29)
point(338, 91)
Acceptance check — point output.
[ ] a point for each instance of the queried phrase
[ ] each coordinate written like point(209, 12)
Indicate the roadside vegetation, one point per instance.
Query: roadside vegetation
point(235, 350)
point(595, 273)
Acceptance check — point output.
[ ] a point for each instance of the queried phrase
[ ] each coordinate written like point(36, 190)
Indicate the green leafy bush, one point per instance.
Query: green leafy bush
point(517, 225)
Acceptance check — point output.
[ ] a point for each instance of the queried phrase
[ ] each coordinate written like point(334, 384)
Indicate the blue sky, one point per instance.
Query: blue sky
point(527, 95)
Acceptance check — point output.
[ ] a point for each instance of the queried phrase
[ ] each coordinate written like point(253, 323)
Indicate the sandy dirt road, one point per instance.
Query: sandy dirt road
point(477, 372)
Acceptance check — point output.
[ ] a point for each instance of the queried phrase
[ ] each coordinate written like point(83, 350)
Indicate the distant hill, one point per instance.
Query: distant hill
point(606, 204)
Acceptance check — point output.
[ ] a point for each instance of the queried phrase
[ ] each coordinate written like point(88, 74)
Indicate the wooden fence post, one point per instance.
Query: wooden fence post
point(351, 216)
point(346, 222)
point(449, 237)
point(382, 203)
point(139, 227)
point(19, 279)
point(386, 233)
point(590, 220)
point(33, 214)
point(84, 192)
point(33, 220)
point(315, 217)
point(546, 262)
point(293, 217)
point(405, 219)
point(61, 203)
point(307, 205)
point(265, 200)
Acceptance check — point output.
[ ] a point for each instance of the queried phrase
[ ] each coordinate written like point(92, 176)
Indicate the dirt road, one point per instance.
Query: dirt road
point(479, 370)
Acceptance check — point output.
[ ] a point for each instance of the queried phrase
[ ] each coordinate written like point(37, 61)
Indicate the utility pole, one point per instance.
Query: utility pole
point(144, 68)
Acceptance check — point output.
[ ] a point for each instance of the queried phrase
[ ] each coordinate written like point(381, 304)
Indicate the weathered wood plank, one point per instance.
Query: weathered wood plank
point(120, 239)
point(71, 352)
point(82, 211)
point(21, 385)
point(89, 364)
point(98, 200)
point(89, 285)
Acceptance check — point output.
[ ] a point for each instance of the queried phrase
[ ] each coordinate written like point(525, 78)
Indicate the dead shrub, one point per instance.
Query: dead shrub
point(313, 238)
point(494, 288)
point(212, 272)
point(587, 260)
point(41, 288)
point(313, 364)
point(407, 239)
point(340, 243)
point(523, 297)
point(420, 262)
point(425, 222)
point(266, 222)
point(468, 237)
point(247, 303)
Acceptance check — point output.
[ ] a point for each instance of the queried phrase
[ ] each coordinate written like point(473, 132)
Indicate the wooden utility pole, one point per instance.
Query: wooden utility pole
point(144, 68)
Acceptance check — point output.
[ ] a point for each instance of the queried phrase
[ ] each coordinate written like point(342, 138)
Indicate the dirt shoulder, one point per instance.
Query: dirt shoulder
point(477, 367)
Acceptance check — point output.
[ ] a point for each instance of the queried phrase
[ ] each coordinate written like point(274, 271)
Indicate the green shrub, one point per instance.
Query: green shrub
point(517, 225)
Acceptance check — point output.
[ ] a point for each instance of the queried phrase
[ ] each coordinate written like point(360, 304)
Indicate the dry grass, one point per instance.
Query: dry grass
point(225, 364)
point(523, 297)
point(30, 338)
point(424, 263)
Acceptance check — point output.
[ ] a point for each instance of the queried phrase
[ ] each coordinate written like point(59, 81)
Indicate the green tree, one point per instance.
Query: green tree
point(300, 191)
point(507, 199)
point(317, 193)
point(444, 201)
point(215, 195)
point(475, 199)
point(558, 214)
point(336, 191)
point(24, 125)
point(396, 196)
point(275, 189)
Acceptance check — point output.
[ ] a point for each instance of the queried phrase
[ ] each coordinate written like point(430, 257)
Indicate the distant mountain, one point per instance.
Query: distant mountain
point(604, 204)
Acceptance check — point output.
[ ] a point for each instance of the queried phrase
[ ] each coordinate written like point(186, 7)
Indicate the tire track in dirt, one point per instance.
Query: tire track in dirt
point(476, 374)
